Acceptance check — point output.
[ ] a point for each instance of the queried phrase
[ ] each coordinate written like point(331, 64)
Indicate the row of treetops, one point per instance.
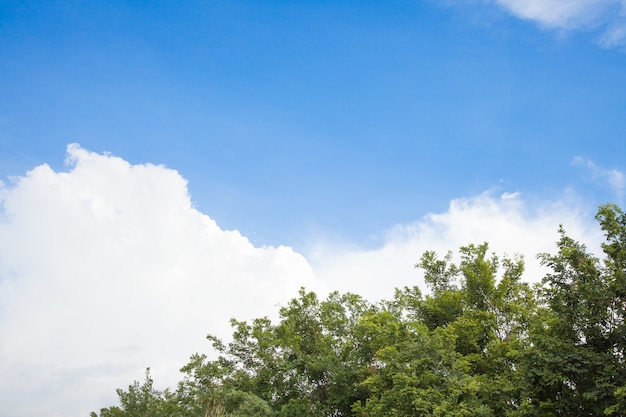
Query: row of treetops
point(479, 342)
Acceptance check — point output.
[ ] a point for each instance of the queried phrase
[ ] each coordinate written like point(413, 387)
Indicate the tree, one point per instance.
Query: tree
point(452, 352)
point(307, 364)
point(575, 365)
point(142, 400)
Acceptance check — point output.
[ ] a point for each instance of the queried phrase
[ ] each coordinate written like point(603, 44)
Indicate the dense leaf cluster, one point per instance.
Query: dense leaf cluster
point(480, 343)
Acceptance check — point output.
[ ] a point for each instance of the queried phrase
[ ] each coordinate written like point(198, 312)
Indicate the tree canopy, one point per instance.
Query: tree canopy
point(478, 342)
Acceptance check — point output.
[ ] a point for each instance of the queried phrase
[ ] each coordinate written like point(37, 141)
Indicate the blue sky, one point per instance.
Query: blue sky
point(344, 117)
point(231, 152)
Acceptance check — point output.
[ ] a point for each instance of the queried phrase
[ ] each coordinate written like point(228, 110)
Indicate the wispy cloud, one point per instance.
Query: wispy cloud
point(607, 16)
point(614, 178)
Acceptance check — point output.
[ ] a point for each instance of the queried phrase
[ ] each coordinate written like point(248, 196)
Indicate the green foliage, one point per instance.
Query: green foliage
point(479, 342)
point(142, 401)
point(576, 363)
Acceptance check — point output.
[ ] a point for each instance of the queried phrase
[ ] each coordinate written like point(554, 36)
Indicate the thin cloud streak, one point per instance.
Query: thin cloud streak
point(614, 178)
point(607, 16)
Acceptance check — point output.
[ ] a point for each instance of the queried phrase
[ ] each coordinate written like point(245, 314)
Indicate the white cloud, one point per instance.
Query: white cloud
point(614, 178)
point(609, 16)
point(509, 224)
point(107, 269)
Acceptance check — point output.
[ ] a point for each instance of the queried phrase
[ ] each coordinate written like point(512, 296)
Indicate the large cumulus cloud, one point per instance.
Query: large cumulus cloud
point(107, 269)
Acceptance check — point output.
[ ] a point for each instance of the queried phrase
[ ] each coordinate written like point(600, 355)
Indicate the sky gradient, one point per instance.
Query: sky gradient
point(166, 166)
